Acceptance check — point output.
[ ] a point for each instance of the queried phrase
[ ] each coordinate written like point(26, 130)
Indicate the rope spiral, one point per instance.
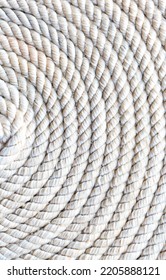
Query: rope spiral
point(82, 129)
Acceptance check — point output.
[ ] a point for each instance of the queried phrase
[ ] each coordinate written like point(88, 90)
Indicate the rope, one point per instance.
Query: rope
point(82, 129)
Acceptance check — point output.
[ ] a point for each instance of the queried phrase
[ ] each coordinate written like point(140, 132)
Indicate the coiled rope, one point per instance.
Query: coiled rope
point(82, 129)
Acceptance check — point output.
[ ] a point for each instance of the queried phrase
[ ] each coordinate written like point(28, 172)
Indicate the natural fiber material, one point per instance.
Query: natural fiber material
point(82, 129)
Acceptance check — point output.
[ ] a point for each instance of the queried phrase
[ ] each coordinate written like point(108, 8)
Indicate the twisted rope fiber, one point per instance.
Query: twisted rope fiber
point(82, 129)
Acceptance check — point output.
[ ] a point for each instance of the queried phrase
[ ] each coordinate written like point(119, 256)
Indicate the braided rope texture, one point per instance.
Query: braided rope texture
point(82, 129)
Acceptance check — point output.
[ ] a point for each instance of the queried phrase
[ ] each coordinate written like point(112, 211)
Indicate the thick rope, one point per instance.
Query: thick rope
point(82, 129)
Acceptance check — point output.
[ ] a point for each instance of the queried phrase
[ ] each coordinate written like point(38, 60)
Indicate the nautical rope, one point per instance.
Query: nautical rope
point(82, 129)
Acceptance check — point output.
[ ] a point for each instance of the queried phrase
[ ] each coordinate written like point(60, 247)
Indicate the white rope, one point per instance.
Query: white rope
point(82, 129)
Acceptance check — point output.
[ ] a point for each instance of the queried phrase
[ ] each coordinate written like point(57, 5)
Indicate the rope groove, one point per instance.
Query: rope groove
point(82, 129)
